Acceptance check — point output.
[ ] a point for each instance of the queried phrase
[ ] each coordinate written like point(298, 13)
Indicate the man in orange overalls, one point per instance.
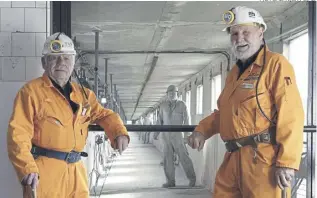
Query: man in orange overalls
point(49, 126)
point(260, 116)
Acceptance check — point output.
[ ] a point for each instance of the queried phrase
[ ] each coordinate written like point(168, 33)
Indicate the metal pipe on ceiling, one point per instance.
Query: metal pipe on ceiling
point(96, 60)
point(111, 93)
point(115, 98)
point(106, 71)
point(111, 85)
point(115, 91)
point(106, 79)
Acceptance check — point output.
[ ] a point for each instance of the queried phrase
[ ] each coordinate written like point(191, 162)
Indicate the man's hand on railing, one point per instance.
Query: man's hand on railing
point(196, 140)
point(121, 143)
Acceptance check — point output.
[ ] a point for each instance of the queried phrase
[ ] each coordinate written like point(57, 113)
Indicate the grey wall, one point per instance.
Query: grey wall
point(23, 30)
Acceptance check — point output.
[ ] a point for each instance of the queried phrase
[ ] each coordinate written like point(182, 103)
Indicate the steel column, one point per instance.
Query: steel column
point(311, 113)
point(96, 60)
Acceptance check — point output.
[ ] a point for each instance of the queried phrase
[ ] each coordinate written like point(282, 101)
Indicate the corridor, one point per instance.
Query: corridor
point(138, 174)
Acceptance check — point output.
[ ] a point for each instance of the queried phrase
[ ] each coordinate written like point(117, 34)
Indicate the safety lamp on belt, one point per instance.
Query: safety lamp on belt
point(228, 17)
point(56, 46)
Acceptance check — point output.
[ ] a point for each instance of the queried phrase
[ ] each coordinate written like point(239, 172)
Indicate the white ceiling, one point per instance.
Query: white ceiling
point(128, 29)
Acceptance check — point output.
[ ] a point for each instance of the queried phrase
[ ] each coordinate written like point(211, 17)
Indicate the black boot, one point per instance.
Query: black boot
point(192, 183)
point(168, 185)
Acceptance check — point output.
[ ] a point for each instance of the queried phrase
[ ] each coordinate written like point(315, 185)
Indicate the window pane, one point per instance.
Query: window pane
point(299, 61)
point(188, 95)
point(199, 102)
point(215, 91)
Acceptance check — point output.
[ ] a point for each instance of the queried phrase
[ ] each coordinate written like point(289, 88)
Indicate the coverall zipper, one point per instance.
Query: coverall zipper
point(72, 115)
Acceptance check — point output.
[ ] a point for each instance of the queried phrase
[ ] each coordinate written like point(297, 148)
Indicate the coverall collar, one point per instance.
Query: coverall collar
point(48, 82)
point(259, 59)
point(67, 85)
point(242, 66)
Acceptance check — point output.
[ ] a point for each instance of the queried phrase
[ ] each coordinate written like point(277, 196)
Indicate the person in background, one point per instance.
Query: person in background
point(174, 112)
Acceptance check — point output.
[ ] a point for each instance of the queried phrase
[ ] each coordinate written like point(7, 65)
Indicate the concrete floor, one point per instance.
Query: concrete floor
point(138, 174)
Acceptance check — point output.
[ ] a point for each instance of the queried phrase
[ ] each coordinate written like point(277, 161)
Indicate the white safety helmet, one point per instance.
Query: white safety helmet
point(172, 88)
point(242, 15)
point(58, 43)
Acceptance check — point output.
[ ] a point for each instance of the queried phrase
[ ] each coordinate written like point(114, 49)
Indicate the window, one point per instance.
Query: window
point(180, 97)
point(199, 101)
point(188, 95)
point(299, 60)
point(215, 91)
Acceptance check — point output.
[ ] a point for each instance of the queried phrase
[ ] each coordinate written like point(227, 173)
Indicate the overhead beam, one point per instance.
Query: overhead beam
point(148, 76)
point(215, 51)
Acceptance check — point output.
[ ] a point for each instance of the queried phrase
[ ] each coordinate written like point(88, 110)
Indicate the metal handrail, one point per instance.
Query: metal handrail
point(173, 128)
point(152, 128)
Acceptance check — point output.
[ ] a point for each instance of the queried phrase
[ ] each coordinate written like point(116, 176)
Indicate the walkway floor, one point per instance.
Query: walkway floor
point(138, 174)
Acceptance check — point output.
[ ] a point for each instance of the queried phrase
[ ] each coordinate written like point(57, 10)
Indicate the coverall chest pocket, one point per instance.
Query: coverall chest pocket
point(54, 130)
point(176, 118)
point(249, 115)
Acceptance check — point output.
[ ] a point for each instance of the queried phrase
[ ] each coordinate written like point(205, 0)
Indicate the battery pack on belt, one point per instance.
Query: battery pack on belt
point(69, 157)
point(265, 137)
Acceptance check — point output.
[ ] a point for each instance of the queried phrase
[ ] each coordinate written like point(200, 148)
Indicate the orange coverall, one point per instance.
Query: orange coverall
point(239, 116)
point(43, 116)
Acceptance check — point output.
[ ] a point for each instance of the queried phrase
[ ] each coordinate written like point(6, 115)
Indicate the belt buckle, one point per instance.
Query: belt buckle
point(33, 150)
point(68, 157)
point(266, 137)
point(238, 144)
point(227, 147)
point(72, 157)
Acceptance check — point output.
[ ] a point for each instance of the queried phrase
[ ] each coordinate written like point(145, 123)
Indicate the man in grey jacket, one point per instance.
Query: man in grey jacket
point(174, 112)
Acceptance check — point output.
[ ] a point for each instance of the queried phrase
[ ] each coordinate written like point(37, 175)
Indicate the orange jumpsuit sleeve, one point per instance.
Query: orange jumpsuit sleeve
point(209, 126)
point(107, 119)
point(290, 121)
point(20, 133)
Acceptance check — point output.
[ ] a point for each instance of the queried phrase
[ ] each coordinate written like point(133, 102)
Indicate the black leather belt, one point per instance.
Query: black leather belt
point(265, 137)
point(69, 157)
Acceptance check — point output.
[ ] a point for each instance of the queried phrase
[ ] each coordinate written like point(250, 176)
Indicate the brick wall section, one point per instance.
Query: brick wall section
point(24, 26)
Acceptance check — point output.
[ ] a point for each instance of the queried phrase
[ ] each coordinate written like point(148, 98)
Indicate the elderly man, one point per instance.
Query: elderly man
point(49, 126)
point(260, 116)
point(174, 112)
